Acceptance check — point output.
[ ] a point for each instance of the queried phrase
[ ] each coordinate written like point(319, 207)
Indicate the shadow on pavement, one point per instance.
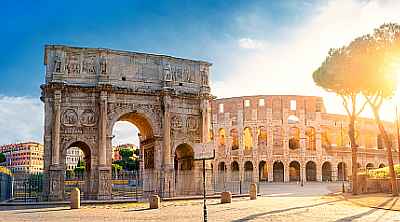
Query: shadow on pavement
point(42, 211)
point(254, 216)
point(138, 210)
point(358, 216)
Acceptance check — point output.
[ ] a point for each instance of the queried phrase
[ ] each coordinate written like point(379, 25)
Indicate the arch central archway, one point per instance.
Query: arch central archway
point(141, 167)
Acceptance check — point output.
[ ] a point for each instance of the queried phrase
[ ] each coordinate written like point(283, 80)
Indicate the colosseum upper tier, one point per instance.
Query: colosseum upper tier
point(284, 138)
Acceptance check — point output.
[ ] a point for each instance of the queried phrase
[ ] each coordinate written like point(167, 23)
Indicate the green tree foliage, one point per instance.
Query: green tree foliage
point(137, 152)
point(337, 74)
point(380, 57)
point(80, 168)
point(2, 158)
point(116, 167)
point(364, 67)
point(126, 153)
point(128, 162)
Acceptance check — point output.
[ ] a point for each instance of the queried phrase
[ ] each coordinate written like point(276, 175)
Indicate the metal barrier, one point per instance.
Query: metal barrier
point(6, 185)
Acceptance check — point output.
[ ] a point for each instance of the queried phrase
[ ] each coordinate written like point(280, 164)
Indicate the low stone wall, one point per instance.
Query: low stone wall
point(371, 185)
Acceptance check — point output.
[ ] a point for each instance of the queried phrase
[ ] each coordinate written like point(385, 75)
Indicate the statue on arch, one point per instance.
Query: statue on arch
point(57, 64)
point(167, 72)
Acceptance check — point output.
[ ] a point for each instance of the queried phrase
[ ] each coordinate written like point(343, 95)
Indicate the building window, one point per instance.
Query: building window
point(221, 108)
point(247, 103)
point(293, 105)
point(261, 102)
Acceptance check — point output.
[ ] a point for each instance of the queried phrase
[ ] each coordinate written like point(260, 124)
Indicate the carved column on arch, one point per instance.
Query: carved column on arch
point(167, 132)
point(56, 128)
point(104, 171)
point(56, 179)
point(103, 129)
point(167, 168)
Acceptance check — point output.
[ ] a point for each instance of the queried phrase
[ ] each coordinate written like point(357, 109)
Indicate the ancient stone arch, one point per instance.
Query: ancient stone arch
point(88, 90)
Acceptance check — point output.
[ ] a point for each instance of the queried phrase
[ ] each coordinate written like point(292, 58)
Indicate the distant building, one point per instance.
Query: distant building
point(116, 149)
point(74, 154)
point(23, 157)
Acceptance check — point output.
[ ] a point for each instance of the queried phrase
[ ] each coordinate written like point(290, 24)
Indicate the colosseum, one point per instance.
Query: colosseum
point(283, 138)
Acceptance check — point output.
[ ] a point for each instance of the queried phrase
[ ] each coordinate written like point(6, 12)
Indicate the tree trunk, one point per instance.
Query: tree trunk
point(353, 155)
point(388, 144)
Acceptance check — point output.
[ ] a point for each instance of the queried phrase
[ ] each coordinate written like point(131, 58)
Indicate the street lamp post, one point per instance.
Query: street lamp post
point(342, 175)
point(204, 158)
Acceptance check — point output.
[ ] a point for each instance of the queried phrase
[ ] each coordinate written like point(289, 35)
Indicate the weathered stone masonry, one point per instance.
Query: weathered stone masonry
point(88, 90)
point(286, 138)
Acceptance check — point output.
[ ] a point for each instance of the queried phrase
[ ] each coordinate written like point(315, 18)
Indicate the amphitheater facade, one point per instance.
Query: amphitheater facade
point(283, 138)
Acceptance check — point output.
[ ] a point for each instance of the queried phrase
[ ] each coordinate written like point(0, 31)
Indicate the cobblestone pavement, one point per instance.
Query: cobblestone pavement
point(270, 208)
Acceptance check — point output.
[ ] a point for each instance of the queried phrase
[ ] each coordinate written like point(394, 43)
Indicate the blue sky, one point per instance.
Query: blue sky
point(192, 29)
point(256, 47)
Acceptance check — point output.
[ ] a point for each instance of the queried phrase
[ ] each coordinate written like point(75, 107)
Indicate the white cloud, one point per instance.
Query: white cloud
point(21, 119)
point(124, 133)
point(286, 66)
point(248, 43)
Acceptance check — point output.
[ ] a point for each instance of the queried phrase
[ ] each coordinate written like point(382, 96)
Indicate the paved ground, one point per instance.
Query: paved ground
point(288, 205)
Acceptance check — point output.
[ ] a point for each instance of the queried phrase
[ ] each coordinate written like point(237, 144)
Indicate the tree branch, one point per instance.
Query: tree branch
point(345, 104)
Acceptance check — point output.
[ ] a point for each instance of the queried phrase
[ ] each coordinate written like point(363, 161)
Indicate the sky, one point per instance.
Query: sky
point(256, 47)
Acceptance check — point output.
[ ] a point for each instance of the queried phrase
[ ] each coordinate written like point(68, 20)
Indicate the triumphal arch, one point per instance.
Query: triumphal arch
point(87, 90)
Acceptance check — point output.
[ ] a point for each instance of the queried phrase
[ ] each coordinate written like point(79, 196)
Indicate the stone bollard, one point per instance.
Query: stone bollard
point(226, 197)
point(154, 201)
point(253, 191)
point(75, 198)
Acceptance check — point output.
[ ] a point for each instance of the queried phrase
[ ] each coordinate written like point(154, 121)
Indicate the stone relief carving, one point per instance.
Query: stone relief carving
point(89, 65)
point(167, 72)
point(149, 158)
point(88, 118)
point(54, 185)
point(176, 122)
point(204, 75)
point(73, 67)
point(104, 185)
point(57, 64)
point(69, 118)
point(103, 66)
point(192, 123)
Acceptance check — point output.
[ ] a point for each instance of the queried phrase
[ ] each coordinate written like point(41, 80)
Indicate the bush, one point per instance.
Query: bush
point(383, 172)
point(2, 158)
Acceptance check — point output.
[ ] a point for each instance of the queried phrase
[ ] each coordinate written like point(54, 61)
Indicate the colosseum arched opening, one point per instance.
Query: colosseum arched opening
point(311, 171)
point(263, 171)
point(278, 171)
point(235, 171)
point(326, 171)
point(294, 171)
point(248, 171)
point(342, 171)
